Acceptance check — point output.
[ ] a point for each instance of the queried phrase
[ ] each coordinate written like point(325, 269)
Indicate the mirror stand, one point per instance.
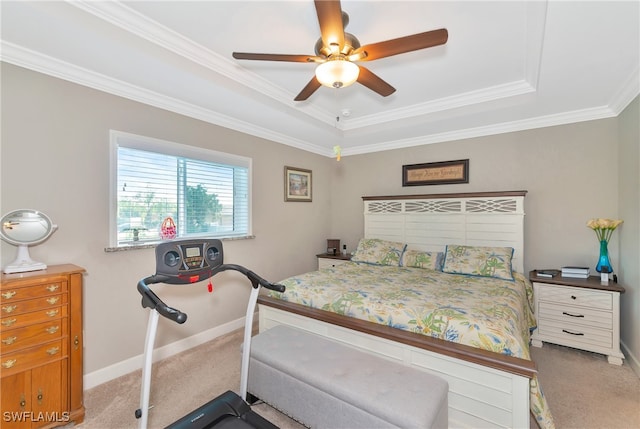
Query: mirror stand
point(23, 262)
point(24, 228)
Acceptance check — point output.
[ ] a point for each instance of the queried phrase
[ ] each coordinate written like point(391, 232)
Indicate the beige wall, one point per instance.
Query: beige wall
point(54, 157)
point(570, 173)
point(629, 195)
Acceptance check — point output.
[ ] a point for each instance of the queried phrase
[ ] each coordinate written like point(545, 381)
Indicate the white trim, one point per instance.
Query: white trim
point(632, 360)
point(127, 366)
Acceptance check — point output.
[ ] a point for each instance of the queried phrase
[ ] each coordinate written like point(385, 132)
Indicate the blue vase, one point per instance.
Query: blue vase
point(604, 265)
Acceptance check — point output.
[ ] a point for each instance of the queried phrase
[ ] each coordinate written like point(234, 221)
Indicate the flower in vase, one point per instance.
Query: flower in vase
point(604, 227)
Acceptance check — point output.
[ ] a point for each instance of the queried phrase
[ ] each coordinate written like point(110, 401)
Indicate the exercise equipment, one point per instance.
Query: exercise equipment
point(184, 262)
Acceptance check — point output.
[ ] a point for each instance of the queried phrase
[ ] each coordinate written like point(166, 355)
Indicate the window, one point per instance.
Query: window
point(205, 192)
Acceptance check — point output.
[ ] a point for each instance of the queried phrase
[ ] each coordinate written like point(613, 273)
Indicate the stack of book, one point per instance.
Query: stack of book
point(575, 272)
point(547, 273)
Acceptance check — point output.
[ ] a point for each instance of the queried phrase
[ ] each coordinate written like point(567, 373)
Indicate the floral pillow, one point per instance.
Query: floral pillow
point(479, 261)
point(420, 259)
point(378, 252)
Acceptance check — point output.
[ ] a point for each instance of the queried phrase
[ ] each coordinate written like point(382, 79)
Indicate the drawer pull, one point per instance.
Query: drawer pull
point(9, 340)
point(23, 402)
point(572, 333)
point(52, 329)
point(76, 342)
point(9, 308)
point(53, 300)
point(52, 313)
point(53, 288)
point(572, 315)
point(9, 322)
point(53, 350)
point(9, 295)
point(9, 363)
point(39, 397)
point(574, 297)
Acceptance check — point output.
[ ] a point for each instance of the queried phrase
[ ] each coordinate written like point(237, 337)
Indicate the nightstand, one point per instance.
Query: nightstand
point(326, 260)
point(579, 313)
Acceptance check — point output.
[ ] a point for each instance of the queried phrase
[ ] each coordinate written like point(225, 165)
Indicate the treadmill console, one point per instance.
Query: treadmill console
point(188, 261)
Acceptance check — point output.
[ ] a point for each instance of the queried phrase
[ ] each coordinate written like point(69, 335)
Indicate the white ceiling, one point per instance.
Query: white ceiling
point(507, 66)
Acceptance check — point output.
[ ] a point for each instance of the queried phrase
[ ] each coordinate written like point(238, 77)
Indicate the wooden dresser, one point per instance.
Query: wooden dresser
point(41, 347)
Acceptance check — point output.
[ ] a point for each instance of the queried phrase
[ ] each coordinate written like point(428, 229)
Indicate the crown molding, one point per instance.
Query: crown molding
point(19, 56)
point(629, 90)
point(140, 25)
point(564, 118)
point(483, 95)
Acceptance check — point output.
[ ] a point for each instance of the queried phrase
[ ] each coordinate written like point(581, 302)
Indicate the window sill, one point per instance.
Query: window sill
point(152, 245)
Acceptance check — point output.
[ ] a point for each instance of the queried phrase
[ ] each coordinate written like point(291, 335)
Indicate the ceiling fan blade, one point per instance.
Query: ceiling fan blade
point(277, 57)
point(306, 92)
point(374, 83)
point(331, 25)
point(404, 44)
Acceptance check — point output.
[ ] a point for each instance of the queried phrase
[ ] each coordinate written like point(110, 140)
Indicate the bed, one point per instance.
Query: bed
point(473, 330)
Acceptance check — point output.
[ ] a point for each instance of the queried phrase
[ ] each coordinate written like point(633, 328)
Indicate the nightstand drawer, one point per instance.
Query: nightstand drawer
point(575, 296)
point(577, 315)
point(330, 263)
point(574, 335)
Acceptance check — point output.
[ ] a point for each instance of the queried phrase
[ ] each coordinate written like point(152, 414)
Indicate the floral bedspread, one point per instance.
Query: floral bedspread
point(486, 313)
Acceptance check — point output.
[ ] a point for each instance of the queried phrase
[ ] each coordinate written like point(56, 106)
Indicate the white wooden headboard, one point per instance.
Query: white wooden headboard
point(430, 222)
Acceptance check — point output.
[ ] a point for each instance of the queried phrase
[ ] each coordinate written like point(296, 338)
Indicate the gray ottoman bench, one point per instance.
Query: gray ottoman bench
point(325, 384)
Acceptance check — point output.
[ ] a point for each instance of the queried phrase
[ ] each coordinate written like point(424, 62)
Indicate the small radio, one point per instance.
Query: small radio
point(188, 261)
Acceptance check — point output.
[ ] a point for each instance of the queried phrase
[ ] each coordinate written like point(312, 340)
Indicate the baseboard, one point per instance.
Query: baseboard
point(127, 366)
point(632, 360)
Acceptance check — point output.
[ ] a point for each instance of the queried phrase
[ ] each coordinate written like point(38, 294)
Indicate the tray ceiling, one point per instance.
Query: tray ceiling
point(507, 66)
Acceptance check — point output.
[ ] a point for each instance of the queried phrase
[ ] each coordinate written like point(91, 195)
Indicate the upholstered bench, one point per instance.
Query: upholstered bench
point(325, 384)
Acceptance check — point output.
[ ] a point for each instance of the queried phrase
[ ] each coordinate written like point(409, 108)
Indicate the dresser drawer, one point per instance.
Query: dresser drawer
point(19, 307)
point(16, 339)
point(575, 296)
point(9, 295)
point(574, 314)
point(12, 363)
point(25, 319)
point(574, 335)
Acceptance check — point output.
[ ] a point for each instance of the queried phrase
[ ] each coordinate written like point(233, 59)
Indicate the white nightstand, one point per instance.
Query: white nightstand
point(326, 260)
point(579, 313)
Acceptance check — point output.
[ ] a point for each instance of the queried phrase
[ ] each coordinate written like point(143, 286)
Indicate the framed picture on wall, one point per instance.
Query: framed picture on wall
point(436, 173)
point(297, 184)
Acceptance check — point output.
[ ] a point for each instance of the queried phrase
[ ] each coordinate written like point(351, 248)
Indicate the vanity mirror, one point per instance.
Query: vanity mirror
point(25, 228)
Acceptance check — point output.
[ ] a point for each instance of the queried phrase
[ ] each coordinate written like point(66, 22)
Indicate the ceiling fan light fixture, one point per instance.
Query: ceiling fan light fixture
point(337, 73)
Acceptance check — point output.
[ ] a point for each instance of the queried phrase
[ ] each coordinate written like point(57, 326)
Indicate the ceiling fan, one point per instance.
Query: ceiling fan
point(336, 52)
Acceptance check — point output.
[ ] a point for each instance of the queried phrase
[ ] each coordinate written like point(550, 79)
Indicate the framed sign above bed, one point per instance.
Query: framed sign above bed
point(436, 173)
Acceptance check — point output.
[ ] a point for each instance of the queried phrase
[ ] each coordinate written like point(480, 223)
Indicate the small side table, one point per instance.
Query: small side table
point(326, 260)
point(579, 313)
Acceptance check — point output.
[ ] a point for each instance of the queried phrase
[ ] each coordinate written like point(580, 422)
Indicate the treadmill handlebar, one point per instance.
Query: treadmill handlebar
point(253, 277)
point(152, 301)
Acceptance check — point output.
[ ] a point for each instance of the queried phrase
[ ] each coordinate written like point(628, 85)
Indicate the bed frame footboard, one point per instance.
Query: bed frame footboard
point(480, 395)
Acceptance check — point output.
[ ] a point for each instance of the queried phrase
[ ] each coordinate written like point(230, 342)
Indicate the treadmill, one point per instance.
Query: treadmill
point(184, 262)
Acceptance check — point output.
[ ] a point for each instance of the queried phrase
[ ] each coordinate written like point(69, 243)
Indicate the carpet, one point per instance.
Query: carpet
point(582, 389)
